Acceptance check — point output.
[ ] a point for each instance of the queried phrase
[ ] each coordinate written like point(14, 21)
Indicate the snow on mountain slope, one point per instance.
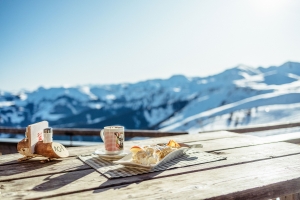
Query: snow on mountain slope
point(273, 114)
point(272, 87)
point(284, 98)
point(177, 103)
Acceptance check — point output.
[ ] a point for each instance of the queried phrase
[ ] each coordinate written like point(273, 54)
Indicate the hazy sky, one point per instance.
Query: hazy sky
point(55, 43)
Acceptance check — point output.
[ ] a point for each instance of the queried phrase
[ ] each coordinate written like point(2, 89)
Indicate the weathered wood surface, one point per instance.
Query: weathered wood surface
point(258, 180)
point(234, 156)
point(291, 197)
point(63, 180)
point(36, 168)
point(289, 137)
point(74, 151)
point(21, 168)
point(266, 178)
point(255, 167)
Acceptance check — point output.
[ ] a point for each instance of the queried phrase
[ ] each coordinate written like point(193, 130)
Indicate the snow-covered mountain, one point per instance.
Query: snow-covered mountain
point(240, 96)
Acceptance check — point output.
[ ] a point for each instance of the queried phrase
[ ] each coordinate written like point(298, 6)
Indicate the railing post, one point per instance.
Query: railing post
point(71, 137)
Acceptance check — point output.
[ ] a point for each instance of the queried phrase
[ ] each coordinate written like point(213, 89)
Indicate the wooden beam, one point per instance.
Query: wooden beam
point(289, 137)
point(95, 132)
point(260, 127)
point(150, 133)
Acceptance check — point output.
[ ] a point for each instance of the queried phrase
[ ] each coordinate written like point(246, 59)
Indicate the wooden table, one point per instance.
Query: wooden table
point(255, 168)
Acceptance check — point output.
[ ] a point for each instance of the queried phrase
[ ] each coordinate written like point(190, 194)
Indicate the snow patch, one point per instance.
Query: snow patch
point(248, 103)
point(86, 90)
point(23, 96)
point(204, 81)
point(93, 121)
point(110, 97)
point(6, 103)
point(156, 115)
point(177, 89)
point(95, 105)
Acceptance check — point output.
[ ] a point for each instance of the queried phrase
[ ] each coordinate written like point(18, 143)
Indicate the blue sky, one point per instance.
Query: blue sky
point(55, 43)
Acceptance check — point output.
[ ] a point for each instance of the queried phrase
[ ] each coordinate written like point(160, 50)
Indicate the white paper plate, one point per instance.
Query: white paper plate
point(101, 153)
point(127, 160)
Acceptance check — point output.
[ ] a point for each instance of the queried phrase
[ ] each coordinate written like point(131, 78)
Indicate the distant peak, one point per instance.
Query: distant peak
point(178, 76)
point(178, 79)
point(241, 69)
point(242, 66)
point(290, 64)
point(41, 88)
point(246, 68)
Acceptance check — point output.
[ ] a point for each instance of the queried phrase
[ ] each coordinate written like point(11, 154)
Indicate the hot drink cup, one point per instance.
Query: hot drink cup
point(113, 138)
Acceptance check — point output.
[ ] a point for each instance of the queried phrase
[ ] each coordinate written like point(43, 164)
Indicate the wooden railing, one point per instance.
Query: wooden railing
point(150, 133)
point(96, 132)
point(8, 146)
point(291, 137)
point(257, 128)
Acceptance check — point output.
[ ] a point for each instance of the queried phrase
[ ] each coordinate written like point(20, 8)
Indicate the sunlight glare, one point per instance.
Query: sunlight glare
point(268, 6)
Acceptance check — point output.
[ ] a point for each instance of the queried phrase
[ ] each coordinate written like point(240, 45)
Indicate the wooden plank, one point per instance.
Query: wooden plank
point(74, 151)
point(269, 179)
point(290, 197)
point(228, 143)
point(62, 183)
point(35, 168)
point(296, 196)
point(289, 137)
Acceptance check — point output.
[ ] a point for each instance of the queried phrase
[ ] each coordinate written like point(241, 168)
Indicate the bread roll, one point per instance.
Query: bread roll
point(51, 150)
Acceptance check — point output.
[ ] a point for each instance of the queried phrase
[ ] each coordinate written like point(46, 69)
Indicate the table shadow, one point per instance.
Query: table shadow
point(53, 182)
point(123, 182)
point(21, 167)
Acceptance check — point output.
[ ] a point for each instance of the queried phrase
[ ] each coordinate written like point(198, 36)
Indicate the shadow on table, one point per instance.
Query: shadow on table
point(53, 182)
point(123, 182)
point(23, 167)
